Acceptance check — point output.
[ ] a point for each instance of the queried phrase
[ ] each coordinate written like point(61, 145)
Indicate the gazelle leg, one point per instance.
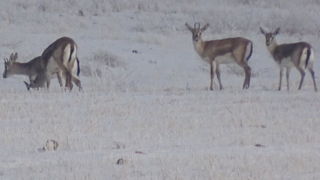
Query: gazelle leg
point(211, 74)
point(48, 83)
point(288, 78)
point(218, 76)
point(313, 79)
point(280, 80)
point(67, 73)
point(59, 76)
point(247, 70)
point(302, 77)
point(77, 82)
point(68, 81)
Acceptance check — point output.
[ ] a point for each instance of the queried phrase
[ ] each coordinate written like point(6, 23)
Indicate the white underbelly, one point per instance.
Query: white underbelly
point(286, 62)
point(226, 59)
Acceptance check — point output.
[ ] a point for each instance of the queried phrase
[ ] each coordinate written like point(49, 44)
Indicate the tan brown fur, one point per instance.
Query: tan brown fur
point(55, 52)
point(298, 55)
point(31, 68)
point(212, 50)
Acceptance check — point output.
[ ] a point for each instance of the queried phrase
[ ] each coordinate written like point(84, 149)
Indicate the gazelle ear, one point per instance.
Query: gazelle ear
point(11, 56)
point(189, 27)
point(15, 56)
point(277, 31)
point(205, 27)
point(262, 31)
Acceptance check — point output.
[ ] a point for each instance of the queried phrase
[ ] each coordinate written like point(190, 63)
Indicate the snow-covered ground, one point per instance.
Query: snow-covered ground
point(146, 103)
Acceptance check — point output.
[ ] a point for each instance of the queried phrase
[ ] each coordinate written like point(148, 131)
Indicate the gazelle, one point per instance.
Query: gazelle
point(299, 55)
point(31, 69)
point(215, 52)
point(59, 58)
point(43, 77)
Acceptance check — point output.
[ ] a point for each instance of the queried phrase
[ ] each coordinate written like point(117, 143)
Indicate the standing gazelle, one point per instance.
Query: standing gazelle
point(59, 58)
point(299, 55)
point(216, 52)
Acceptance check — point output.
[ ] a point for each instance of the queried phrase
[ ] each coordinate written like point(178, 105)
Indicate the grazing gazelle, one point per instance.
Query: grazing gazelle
point(31, 69)
point(215, 52)
point(59, 58)
point(43, 77)
point(299, 55)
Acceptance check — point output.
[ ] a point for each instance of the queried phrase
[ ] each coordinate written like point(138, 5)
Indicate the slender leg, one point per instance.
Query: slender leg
point(48, 83)
point(288, 78)
point(77, 82)
point(211, 75)
point(67, 73)
point(302, 77)
point(280, 80)
point(247, 71)
point(59, 76)
point(218, 76)
point(68, 81)
point(313, 79)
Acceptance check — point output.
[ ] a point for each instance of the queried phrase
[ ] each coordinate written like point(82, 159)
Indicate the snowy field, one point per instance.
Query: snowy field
point(146, 112)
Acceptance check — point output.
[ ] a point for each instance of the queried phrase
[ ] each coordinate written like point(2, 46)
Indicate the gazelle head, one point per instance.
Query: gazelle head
point(27, 85)
point(270, 36)
point(196, 31)
point(38, 82)
point(8, 65)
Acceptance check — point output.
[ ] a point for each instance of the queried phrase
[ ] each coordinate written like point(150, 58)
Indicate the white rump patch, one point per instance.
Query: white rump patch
point(66, 55)
point(74, 54)
point(74, 69)
point(72, 65)
point(248, 50)
point(304, 56)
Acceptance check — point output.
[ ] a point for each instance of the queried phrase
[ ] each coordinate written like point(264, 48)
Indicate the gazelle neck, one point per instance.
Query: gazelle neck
point(20, 68)
point(199, 46)
point(272, 46)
